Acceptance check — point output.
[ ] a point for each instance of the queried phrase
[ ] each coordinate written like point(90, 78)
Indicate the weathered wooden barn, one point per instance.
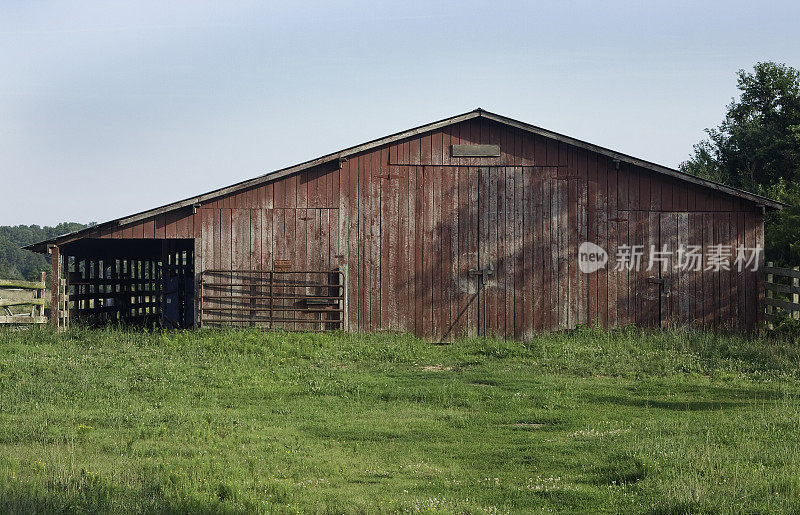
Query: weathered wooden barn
point(467, 226)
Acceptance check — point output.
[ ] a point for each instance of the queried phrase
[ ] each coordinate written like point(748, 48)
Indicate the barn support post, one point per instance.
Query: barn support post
point(343, 302)
point(162, 279)
point(55, 285)
point(198, 283)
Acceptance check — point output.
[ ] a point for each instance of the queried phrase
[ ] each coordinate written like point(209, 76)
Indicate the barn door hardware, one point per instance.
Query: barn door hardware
point(483, 273)
point(661, 281)
point(322, 302)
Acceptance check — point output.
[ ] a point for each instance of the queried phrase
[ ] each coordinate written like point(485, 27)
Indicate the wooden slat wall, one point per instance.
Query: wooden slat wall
point(585, 197)
point(409, 221)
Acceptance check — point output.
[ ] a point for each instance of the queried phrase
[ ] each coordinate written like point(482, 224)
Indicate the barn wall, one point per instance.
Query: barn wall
point(408, 222)
point(569, 195)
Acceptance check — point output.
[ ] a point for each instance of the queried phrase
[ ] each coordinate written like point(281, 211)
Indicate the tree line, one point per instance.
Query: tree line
point(16, 263)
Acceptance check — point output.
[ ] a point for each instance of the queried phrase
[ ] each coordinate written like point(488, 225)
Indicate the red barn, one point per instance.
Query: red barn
point(471, 225)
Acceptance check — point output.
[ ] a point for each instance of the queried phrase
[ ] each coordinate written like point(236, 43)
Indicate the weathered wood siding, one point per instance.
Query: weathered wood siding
point(409, 222)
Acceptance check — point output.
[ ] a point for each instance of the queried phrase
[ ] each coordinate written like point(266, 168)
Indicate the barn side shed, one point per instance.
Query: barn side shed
point(466, 226)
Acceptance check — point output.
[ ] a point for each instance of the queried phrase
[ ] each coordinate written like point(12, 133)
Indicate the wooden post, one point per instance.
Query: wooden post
point(41, 293)
point(271, 299)
point(343, 305)
point(796, 295)
point(253, 300)
point(162, 283)
point(197, 261)
point(55, 285)
point(769, 296)
point(199, 304)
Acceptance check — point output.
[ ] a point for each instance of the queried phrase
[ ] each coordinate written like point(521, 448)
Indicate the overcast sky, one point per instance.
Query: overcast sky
point(109, 108)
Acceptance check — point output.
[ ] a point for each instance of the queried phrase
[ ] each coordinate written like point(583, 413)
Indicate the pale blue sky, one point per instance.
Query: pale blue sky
point(108, 108)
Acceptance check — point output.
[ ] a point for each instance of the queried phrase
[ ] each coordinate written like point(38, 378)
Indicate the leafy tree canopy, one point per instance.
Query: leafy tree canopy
point(757, 148)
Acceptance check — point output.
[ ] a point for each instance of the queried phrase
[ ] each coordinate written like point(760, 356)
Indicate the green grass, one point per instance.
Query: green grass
point(244, 421)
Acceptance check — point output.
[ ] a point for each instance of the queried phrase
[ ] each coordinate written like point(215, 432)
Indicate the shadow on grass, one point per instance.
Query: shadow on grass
point(621, 469)
point(668, 405)
point(720, 398)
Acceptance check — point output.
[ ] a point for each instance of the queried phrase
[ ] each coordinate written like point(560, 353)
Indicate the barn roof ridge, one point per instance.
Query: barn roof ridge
point(343, 154)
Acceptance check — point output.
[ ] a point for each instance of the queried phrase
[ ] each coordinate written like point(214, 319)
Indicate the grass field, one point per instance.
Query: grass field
point(108, 421)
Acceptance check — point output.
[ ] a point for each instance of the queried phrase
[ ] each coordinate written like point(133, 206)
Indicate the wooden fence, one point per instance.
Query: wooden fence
point(783, 292)
point(22, 302)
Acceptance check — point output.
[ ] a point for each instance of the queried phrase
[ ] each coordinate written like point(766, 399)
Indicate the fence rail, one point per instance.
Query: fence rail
point(782, 292)
point(22, 302)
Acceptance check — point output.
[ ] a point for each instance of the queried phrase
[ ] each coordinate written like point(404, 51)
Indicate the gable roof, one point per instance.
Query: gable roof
point(477, 113)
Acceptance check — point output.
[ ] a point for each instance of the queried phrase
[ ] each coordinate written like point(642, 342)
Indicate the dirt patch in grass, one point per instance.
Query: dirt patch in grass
point(436, 368)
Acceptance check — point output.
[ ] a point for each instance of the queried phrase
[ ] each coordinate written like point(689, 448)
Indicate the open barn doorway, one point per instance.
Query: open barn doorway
point(143, 282)
point(177, 274)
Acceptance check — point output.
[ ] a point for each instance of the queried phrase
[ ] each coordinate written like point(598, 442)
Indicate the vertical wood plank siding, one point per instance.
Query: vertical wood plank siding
point(409, 221)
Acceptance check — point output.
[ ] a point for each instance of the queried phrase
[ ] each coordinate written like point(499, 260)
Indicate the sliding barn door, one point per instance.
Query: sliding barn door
point(445, 252)
point(471, 252)
point(509, 255)
point(493, 251)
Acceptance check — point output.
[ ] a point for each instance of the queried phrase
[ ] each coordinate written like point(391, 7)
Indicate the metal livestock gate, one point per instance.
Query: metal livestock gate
point(274, 299)
point(466, 226)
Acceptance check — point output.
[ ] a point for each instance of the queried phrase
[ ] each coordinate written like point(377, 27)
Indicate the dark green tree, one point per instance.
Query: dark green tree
point(757, 148)
point(16, 263)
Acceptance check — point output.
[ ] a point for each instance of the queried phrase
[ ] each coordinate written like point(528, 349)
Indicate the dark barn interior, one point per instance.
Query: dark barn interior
point(130, 281)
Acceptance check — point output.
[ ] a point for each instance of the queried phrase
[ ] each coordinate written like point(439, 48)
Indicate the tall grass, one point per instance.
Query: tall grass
point(244, 421)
